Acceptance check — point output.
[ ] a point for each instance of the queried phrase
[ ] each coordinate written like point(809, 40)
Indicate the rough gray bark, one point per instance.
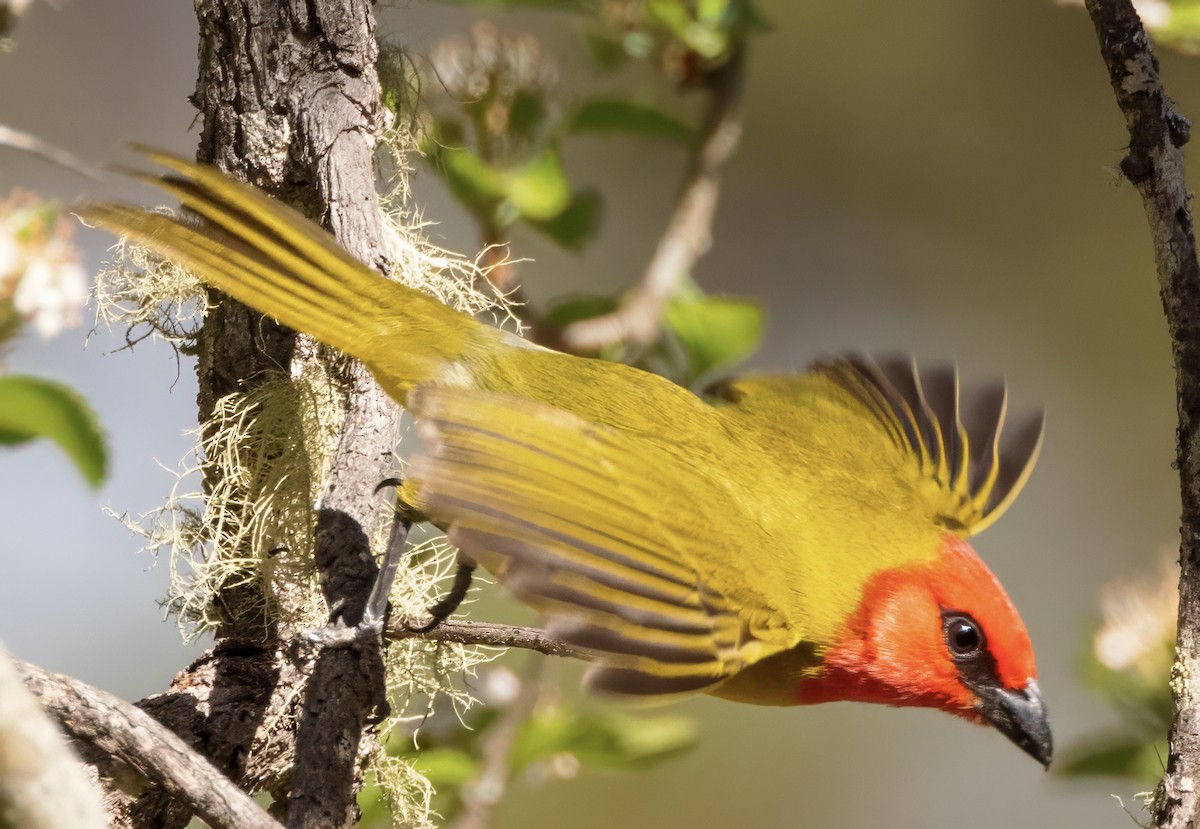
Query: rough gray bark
point(1154, 165)
point(289, 100)
point(124, 732)
point(42, 784)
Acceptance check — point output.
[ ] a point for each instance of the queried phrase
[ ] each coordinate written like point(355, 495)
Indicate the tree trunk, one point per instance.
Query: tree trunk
point(289, 100)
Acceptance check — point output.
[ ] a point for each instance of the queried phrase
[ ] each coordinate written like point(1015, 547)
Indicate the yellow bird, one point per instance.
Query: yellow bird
point(782, 540)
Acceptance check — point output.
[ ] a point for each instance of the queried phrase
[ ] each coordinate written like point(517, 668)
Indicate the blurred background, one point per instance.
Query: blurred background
point(934, 178)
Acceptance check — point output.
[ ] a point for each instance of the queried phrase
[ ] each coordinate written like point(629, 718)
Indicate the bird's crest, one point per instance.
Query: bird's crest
point(960, 441)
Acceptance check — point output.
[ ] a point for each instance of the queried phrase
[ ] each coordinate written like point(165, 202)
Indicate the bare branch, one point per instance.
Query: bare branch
point(493, 635)
point(140, 741)
point(42, 783)
point(689, 233)
point(1154, 165)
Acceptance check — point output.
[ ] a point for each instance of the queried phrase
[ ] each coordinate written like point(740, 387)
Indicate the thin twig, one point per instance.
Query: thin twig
point(481, 795)
point(140, 741)
point(42, 783)
point(493, 635)
point(689, 233)
point(32, 144)
point(1154, 165)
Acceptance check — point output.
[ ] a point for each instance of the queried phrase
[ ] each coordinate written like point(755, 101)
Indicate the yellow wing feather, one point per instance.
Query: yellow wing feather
point(592, 527)
point(269, 256)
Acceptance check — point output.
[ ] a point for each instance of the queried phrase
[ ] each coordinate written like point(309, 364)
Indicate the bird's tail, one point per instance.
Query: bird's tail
point(267, 255)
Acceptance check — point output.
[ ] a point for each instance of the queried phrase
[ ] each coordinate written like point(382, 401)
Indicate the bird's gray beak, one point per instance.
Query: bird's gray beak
point(1020, 716)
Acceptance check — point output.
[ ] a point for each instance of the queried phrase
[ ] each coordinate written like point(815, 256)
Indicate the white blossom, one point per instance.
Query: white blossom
point(52, 291)
point(11, 262)
point(40, 271)
point(1139, 623)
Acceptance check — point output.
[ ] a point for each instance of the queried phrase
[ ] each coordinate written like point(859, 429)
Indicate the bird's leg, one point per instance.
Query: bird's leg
point(450, 602)
point(375, 613)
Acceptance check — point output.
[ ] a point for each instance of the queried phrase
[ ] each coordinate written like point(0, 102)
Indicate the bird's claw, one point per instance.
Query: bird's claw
point(340, 635)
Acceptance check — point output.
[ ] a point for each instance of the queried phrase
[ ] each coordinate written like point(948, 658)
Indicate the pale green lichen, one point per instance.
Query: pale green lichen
point(408, 793)
point(1154, 801)
point(421, 670)
point(421, 674)
point(459, 281)
point(144, 296)
point(264, 455)
point(1146, 799)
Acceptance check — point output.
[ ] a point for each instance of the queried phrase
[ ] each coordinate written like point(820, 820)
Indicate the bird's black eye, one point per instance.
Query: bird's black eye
point(964, 638)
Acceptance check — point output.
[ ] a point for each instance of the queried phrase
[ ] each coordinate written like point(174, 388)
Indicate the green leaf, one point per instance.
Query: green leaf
point(32, 408)
point(1179, 27)
point(446, 766)
point(574, 226)
point(603, 738)
point(712, 11)
point(471, 179)
point(1116, 756)
point(10, 321)
point(714, 331)
point(539, 188)
point(373, 804)
point(526, 114)
point(610, 115)
point(608, 51)
point(447, 134)
point(1143, 693)
point(673, 15)
point(576, 308)
point(640, 741)
point(753, 21)
point(707, 38)
point(548, 5)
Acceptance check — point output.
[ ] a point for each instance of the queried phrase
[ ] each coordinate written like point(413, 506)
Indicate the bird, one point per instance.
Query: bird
point(779, 539)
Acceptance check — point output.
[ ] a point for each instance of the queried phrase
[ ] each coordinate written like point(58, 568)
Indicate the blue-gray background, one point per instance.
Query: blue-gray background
point(933, 177)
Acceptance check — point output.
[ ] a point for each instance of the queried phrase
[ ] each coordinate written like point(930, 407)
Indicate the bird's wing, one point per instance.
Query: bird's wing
point(616, 538)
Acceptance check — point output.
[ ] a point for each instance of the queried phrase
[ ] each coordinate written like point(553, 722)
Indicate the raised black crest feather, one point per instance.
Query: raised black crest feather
point(964, 441)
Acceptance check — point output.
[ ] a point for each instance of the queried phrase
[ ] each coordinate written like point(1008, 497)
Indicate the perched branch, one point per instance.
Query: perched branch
point(1154, 165)
point(141, 742)
point(42, 784)
point(493, 635)
point(689, 233)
